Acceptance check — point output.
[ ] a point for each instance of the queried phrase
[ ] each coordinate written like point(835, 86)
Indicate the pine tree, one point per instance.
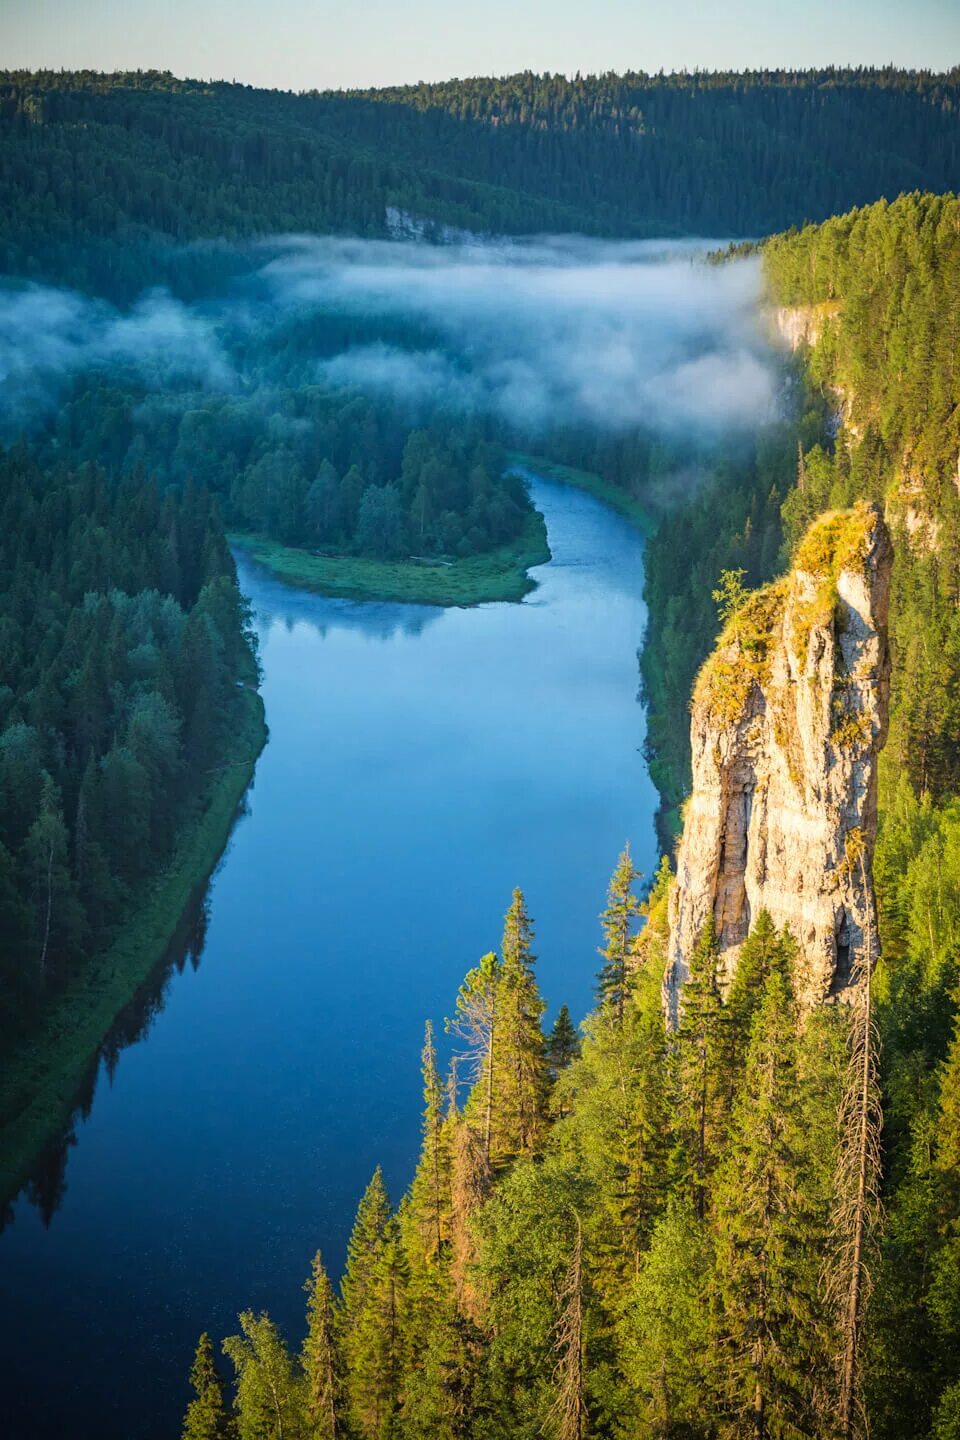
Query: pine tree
point(430, 1193)
point(319, 1359)
point(618, 921)
point(520, 1078)
point(699, 1064)
point(206, 1417)
point(567, 1419)
point(767, 1238)
point(562, 1048)
point(764, 950)
point(368, 1317)
point(856, 1216)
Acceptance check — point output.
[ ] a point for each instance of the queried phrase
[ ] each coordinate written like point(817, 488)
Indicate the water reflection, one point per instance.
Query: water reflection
point(47, 1186)
point(421, 763)
point(281, 604)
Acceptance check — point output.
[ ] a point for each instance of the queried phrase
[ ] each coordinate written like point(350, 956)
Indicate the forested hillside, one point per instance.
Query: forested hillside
point(121, 162)
point(635, 1233)
point(123, 666)
point(626, 1233)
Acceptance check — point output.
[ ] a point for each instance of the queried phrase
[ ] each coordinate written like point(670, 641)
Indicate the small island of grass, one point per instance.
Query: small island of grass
point(499, 574)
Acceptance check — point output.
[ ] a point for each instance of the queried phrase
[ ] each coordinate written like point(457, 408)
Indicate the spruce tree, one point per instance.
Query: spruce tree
point(369, 1315)
point(699, 1060)
point(563, 1042)
point(428, 1204)
point(319, 1359)
point(764, 950)
point(768, 1239)
point(520, 1078)
point(618, 920)
point(206, 1417)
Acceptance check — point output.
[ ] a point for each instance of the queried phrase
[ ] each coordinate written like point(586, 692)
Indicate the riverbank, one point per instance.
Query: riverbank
point(499, 575)
point(668, 820)
point(41, 1078)
point(626, 505)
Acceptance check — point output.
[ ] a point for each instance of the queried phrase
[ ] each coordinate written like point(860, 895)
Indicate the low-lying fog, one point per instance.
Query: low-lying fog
point(546, 332)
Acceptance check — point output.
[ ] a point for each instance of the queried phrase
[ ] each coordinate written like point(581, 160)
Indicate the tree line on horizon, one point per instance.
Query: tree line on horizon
point(98, 173)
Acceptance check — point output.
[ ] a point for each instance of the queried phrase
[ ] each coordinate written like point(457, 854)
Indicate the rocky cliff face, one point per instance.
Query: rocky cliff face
point(788, 717)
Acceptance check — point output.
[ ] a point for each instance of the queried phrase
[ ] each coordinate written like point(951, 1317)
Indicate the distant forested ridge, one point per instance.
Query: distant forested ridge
point(124, 661)
point(95, 169)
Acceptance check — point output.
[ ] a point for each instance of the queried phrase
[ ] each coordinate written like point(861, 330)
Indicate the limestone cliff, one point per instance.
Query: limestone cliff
point(788, 717)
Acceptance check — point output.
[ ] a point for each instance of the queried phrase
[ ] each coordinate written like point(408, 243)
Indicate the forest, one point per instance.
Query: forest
point(124, 666)
point(616, 1231)
point(612, 1231)
point(97, 171)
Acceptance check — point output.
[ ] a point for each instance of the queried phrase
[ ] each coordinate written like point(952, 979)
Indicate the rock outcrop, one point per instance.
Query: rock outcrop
point(788, 718)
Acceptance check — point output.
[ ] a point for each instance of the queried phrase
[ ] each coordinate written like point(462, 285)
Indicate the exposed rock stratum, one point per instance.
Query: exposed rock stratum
point(789, 715)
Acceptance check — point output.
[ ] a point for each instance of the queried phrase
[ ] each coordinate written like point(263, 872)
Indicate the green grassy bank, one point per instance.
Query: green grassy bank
point(626, 505)
point(499, 575)
point(40, 1078)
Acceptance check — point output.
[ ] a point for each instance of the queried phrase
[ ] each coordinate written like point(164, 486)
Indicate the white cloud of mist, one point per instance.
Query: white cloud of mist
point(48, 334)
point(608, 334)
point(547, 332)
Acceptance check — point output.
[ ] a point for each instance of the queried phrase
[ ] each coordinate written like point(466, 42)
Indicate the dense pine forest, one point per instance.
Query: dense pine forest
point(97, 170)
point(123, 675)
point(627, 1232)
point(613, 1231)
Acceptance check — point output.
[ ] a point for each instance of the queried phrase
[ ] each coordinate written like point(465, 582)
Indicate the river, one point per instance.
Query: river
point(421, 763)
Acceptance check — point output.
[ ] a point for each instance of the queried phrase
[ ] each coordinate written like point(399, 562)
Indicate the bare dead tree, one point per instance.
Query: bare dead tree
point(477, 1023)
point(567, 1417)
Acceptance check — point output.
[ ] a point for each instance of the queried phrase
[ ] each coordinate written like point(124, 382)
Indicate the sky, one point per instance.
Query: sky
point(305, 44)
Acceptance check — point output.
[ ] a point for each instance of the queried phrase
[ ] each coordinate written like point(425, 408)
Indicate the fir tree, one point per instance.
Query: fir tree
point(368, 1317)
point(563, 1042)
point(430, 1192)
point(699, 1063)
point(206, 1417)
point(520, 1075)
point(319, 1359)
point(768, 1238)
point(618, 921)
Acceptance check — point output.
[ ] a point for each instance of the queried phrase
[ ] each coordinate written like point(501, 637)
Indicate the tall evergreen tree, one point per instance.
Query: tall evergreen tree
point(319, 1359)
point(520, 1077)
point(699, 1058)
point(618, 920)
point(207, 1417)
point(369, 1315)
point(768, 1239)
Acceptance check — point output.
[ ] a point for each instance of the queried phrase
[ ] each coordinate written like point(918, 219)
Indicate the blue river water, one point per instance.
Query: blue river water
point(421, 763)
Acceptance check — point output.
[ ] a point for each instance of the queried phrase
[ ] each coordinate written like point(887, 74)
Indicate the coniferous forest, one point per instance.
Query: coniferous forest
point(624, 1231)
point(746, 1225)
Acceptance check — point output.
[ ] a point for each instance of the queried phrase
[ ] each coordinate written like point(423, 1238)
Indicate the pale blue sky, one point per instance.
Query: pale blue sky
point(304, 43)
